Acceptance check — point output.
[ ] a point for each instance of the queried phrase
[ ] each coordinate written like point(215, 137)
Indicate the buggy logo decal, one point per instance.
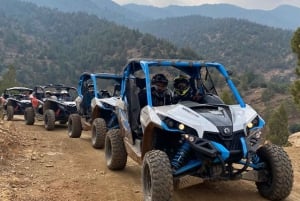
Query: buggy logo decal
point(226, 130)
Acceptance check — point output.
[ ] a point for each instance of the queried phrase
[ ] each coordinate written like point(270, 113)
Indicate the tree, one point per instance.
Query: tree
point(227, 98)
point(278, 127)
point(295, 87)
point(8, 78)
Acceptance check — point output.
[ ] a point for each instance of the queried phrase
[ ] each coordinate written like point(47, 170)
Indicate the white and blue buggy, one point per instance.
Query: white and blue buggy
point(97, 95)
point(207, 140)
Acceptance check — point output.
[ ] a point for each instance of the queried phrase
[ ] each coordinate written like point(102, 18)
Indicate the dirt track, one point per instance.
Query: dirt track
point(42, 165)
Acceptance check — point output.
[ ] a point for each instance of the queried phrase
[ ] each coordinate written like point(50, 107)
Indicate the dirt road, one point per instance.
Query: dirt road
point(42, 165)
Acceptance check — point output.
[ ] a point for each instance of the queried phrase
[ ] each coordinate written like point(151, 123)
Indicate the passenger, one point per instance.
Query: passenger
point(48, 94)
point(87, 99)
point(64, 95)
point(183, 91)
point(160, 93)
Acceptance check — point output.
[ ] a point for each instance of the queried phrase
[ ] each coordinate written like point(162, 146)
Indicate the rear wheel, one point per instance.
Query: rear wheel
point(74, 126)
point(49, 119)
point(10, 112)
point(115, 152)
point(98, 133)
point(29, 116)
point(157, 178)
point(279, 173)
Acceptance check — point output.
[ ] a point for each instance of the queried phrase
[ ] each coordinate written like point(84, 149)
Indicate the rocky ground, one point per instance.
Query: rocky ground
point(41, 165)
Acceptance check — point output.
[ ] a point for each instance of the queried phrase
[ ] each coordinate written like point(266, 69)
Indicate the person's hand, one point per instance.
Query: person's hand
point(197, 97)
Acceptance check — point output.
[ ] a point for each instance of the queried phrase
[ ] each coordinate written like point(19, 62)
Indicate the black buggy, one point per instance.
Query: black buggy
point(15, 101)
point(51, 103)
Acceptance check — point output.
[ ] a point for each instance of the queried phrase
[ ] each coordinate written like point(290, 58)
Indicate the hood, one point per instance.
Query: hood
point(105, 102)
point(69, 103)
point(210, 118)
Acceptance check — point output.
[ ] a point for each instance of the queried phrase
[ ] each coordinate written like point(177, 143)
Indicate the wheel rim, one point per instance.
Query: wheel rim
point(147, 183)
point(108, 151)
point(94, 134)
point(46, 119)
point(70, 127)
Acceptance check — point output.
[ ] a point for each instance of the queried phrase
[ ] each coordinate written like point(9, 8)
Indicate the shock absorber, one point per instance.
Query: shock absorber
point(112, 121)
point(181, 156)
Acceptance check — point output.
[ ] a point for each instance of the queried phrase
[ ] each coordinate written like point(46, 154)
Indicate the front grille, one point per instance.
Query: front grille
point(232, 143)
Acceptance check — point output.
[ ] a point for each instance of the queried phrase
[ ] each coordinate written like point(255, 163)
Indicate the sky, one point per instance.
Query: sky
point(248, 4)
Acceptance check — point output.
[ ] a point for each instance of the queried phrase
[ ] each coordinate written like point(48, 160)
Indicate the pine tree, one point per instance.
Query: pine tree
point(278, 127)
point(295, 87)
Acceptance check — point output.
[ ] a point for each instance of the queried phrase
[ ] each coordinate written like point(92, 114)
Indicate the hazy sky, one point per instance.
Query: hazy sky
point(249, 4)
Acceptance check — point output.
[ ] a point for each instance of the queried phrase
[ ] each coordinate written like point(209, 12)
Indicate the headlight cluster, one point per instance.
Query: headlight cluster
point(254, 123)
point(176, 126)
point(172, 124)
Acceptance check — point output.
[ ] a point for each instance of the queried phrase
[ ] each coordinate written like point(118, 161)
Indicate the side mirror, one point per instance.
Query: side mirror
point(230, 72)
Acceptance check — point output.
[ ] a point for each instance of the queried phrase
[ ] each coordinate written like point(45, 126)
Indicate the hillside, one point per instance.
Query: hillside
point(285, 17)
point(46, 45)
point(231, 41)
point(237, 43)
point(104, 9)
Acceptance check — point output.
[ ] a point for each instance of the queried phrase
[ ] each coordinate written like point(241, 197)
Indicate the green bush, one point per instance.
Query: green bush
point(294, 128)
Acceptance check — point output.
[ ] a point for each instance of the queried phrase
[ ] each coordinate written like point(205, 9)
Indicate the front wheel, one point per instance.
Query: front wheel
point(115, 152)
point(74, 126)
point(29, 116)
point(98, 133)
point(279, 172)
point(49, 119)
point(157, 178)
point(10, 113)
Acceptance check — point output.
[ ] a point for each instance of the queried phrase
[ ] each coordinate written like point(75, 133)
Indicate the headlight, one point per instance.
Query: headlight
point(181, 127)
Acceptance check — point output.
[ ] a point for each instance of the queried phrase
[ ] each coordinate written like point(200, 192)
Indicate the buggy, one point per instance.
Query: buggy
point(16, 100)
point(98, 94)
point(51, 103)
point(191, 142)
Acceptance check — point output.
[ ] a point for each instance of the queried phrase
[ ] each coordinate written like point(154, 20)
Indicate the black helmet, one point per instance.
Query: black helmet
point(159, 78)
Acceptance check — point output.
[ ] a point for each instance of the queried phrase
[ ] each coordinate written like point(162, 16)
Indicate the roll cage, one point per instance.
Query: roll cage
point(191, 68)
point(55, 89)
point(93, 78)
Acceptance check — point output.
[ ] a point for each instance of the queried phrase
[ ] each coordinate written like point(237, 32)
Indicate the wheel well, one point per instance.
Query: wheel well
point(50, 105)
point(10, 103)
point(101, 113)
point(160, 139)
